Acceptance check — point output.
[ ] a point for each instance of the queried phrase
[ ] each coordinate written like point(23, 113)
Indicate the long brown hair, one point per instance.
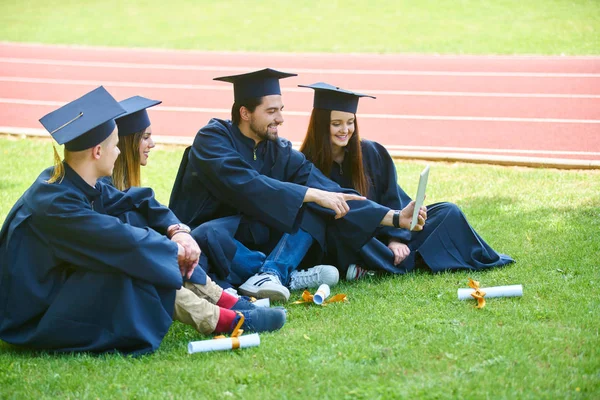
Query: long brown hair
point(317, 148)
point(127, 170)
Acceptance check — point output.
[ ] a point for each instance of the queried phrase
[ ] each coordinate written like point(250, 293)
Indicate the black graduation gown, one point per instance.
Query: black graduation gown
point(447, 241)
point(257, 193)
point(131, 214)
point(73, 277)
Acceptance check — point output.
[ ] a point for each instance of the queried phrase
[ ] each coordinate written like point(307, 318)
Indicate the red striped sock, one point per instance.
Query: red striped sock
point(227, 300)
point(227, 319)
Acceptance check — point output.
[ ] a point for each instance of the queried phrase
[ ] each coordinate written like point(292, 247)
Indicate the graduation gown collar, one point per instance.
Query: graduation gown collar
point(245, 140)
point(342, 172)
point(345, 160)
point(91, 193)
point(250, 143)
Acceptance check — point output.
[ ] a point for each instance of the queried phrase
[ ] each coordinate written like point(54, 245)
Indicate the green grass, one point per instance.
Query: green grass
point(392, 26)
point(398, 336)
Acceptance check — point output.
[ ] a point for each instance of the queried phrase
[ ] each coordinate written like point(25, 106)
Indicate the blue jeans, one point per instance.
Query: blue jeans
point(284, 258)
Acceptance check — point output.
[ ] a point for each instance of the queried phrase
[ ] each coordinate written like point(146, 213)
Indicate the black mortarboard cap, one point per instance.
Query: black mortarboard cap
point(136, 117)
point(255, 84)
point(85, 122)
point(329, 97)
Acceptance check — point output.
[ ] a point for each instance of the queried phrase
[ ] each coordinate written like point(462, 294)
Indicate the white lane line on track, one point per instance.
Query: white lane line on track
point(482, 150)
point(186, 140)
point(489, 119)
point(96, 64)
point(306, 114)
point(148, 85)
point(151, 85)
point(152, 50)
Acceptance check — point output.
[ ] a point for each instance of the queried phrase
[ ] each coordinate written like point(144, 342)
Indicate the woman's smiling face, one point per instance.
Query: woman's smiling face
point(341, 128)
point(146, 144)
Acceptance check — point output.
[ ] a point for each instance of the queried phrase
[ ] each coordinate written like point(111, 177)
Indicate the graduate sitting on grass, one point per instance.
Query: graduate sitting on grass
point(73, 276)
point(240, 177)
point(447, 241)
point(195, 300)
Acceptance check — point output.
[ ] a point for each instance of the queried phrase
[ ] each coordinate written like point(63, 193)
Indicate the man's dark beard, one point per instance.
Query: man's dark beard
point(264, 134)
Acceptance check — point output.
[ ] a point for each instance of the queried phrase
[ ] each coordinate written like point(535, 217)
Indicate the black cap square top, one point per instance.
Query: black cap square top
point(85, 122)
point(329, 97)
point(136, 117)
point(255, 84)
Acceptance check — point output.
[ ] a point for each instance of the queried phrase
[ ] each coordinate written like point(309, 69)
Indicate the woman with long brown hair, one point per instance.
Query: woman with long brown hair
point(135, 143)
point(333, 144)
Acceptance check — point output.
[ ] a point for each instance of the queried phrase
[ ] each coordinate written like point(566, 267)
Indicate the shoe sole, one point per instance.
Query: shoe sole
point(271, 294)
point(315, 286)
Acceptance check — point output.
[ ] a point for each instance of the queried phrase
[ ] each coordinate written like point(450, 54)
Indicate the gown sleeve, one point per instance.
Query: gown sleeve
point(141, 200)
point(89, 240)
point(389, 193)
point(359, 224)
point(233, 181)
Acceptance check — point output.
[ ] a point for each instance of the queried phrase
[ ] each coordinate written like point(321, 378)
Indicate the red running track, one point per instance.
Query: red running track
point(508, 109)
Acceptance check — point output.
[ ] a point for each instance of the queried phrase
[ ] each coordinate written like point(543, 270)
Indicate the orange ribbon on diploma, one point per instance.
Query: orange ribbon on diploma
point(220, 343)
point(309, 298)
point(478, 294)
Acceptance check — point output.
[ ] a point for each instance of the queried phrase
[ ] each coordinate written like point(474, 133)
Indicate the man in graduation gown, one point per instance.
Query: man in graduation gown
point(199, 302)
point(258, 205)
point(73, 277)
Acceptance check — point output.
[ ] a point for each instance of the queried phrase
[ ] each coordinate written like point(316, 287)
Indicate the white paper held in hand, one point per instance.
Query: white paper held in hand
point(420, 196)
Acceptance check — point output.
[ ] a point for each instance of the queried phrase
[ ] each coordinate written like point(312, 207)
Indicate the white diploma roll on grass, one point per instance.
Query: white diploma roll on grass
point(494, 291)
point(322, 293)
point(204, 346)
point(262, 302)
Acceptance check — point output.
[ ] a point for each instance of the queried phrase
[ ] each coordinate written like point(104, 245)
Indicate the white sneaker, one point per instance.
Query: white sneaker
point(314, 277)
point(265, 286)
point(355, 272)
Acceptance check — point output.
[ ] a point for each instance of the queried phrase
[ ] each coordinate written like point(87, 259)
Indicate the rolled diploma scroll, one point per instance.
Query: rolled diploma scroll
point(262, 302)
point(322, 293)
point(203, 346)
point(495, 291)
